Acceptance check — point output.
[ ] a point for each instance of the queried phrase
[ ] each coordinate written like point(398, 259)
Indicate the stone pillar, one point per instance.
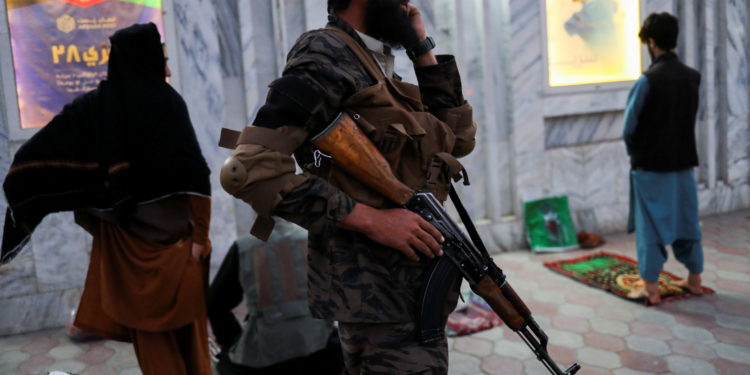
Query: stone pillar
point(202, 88)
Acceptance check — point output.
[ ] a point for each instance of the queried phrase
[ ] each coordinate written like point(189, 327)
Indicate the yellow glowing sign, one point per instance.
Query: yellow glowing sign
point(592, 41)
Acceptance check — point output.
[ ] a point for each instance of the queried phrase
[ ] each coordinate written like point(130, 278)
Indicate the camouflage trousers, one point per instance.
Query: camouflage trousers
point(390, 348)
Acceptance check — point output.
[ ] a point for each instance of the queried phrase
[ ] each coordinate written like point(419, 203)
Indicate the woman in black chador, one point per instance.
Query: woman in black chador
point(125, 158)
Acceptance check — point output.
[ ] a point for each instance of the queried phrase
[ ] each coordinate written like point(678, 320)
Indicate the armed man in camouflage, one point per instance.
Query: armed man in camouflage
point(367, 257)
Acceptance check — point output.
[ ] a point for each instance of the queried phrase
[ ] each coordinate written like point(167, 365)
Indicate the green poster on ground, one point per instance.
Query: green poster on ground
point(549, 226)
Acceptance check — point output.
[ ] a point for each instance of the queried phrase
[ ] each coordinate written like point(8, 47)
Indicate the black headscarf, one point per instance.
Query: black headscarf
point(129, 141)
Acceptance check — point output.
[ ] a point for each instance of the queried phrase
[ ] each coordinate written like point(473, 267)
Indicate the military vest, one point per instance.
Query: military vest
point(415, 143)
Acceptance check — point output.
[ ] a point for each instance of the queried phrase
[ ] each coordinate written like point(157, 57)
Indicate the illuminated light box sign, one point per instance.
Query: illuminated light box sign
point(592, 41)
point(61, 48)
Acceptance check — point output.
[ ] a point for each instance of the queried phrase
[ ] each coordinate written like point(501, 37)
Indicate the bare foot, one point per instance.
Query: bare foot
point(650, 292)
point(692, 283)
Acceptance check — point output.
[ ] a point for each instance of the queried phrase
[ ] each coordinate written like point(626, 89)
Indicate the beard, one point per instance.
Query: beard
point(386, 20)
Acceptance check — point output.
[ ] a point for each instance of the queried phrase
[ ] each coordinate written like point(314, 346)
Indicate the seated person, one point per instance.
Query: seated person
point(279, 335)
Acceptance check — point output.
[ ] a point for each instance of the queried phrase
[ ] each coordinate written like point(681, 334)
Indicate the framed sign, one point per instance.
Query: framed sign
point(592, 41)
point(61, 48)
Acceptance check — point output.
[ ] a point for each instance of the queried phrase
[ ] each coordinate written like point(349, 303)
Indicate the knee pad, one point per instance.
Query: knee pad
point(233, 175)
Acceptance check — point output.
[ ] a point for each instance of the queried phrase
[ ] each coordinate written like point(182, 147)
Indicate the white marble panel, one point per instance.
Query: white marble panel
point(201, 78)
point(502, 236)
point(528, 124)
point(738, 149)
point(316, 14)
point(470, 55)
point(5, 156)
point(533, 172)
point(591, 176)
point(526, 71)
point(258, 52)
point(583, 129)
point(200, 70)
point(61, 253)
point(245, 217)
point(738, 98)
point(505, 169)
point(249, 69)
point(445, 33)
point(495, 117)
point(4, 19)
point(474, 196)
point(5, 160)
point(709, 106)
point(37, 311)
point(585, 103)
point(223, 225)
point(723, 198)
point(230, 45)
point(235, 113)
point(18, 278)
point(476, 165)
point(568, 175)
point(738, 70)
point(611, 218)
point(294, 19)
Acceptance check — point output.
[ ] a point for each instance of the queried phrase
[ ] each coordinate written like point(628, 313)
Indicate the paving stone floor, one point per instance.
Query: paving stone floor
point(607, 335)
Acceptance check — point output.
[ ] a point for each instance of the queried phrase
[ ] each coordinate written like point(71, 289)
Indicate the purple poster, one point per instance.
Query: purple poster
point(61, 48)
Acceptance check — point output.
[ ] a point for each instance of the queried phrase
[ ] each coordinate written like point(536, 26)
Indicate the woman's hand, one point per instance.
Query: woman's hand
point(197, 251)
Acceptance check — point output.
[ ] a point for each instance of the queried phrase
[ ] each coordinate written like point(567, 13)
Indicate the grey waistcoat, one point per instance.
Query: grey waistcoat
point(274, 279)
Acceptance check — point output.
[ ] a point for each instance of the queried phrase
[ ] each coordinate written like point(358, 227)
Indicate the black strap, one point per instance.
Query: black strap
point(468, 223)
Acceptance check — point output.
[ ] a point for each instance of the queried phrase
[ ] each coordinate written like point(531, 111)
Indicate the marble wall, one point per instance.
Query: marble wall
point(201, 85)
point(737, 104)
point(4, 128)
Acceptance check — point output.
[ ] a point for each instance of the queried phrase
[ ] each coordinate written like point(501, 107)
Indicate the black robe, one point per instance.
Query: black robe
point(129, 141)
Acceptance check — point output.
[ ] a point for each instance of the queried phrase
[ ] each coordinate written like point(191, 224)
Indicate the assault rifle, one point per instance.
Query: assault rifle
point(354, 152)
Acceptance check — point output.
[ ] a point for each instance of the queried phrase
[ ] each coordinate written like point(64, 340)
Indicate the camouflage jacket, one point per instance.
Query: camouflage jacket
point(351, 278)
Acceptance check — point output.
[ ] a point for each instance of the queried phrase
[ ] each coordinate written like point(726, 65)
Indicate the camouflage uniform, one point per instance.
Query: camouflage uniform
point(372, 290)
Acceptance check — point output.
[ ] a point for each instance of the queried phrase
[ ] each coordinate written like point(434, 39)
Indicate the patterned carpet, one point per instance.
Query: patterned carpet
point(617, 274)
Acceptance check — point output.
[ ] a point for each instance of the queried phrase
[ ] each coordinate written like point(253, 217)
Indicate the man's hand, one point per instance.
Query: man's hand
point(415, 18)
point(396, 228)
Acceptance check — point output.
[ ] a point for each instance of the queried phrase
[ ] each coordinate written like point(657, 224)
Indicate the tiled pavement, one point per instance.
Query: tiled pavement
point(605, 334)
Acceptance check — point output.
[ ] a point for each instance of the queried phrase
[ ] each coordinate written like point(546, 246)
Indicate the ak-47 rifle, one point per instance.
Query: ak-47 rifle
point(354, 152)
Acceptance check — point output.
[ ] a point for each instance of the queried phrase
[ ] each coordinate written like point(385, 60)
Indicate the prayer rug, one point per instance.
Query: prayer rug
point(475, 317)
point(617, 274)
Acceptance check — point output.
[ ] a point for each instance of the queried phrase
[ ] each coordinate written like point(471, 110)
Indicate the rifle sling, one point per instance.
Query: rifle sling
point(468, 223)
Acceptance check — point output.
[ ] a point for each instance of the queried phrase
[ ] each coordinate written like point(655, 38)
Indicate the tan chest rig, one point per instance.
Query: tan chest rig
point(415, 143)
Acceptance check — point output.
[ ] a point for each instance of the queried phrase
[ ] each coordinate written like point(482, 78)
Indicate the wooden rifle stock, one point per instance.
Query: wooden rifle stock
point(353, 152)
point(500, 304)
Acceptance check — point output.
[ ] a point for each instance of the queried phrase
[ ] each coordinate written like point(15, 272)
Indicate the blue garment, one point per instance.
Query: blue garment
point(663, 206)
point(636, 101)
